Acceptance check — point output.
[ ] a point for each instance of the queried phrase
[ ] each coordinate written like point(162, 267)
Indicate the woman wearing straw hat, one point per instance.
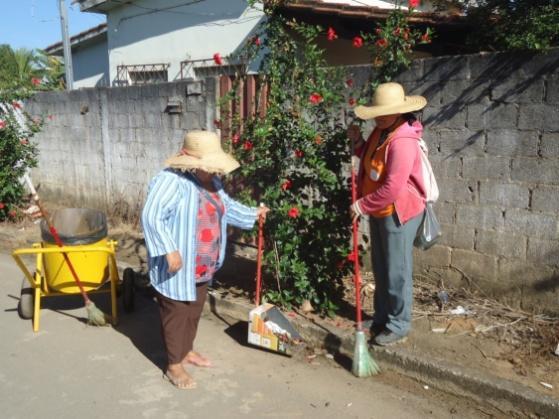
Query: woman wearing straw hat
point(391, 191)
point(185, 221)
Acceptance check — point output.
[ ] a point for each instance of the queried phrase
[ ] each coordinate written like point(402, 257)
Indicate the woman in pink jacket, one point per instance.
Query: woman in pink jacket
point(391, 192)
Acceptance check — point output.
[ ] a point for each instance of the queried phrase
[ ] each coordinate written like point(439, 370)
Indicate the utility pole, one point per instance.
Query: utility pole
point(66, 44)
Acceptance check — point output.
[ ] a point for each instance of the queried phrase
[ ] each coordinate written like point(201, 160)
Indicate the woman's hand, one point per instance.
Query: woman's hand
point(354, 133)
point(262, 211)
point(174, 261)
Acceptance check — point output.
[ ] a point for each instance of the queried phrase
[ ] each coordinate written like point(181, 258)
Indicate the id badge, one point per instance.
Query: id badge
point(374, 175)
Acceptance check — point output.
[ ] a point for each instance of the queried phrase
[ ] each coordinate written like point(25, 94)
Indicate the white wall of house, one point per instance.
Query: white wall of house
point(91, 65)
point(139, 35)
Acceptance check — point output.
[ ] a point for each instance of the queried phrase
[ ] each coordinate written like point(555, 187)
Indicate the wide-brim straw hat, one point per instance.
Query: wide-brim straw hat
point(202, 150)
point(390, 99)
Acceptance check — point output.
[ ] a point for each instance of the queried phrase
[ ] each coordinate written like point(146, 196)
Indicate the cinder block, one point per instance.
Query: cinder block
point(501, 244)
point(456, 236)
point(457, 190)
point(447, 68)
point(480, 217)
point(543, 251)
point(474, 264)
point(436, 256)
point(492, 115)
point(461, 143)
point(518, 221)
point(536, 116)
point(518, 90)
point(535, 170)
point(552, 90)
point(508, 142)
point(450, 167)
point(546, 199)
point(465, 91)
point(446, 212)
point(525, 272)
point(549, 146)
point(508, 195)
point(451, 116)
point(486, 168)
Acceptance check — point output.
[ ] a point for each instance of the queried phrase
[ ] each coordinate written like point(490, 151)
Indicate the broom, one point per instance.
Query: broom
point(95, 316)
point(363, 363)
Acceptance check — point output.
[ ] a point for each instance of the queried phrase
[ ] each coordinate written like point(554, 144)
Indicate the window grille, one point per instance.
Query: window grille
point(133, 75)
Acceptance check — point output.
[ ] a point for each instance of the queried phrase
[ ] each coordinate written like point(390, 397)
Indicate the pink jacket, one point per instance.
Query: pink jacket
point(403, 185)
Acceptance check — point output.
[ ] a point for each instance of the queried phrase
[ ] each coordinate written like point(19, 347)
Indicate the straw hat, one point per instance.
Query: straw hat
point(390, 99)
point(202, 150)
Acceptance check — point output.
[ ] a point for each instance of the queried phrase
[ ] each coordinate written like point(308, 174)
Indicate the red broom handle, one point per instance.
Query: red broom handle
point(356, 269)
point(259, 258)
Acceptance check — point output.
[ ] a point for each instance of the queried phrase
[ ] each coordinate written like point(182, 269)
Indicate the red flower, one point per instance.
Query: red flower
point(396, 31)
point(331, 35)
point(357, 42)
point(414, 3)
point(293, 212)
point(382, 43)
point(2, 205)
point(247, 145)
point(2, 124)
point(217, 123)
point(217, 58)
point(12, 213)
point(349, 82)
point(235, 138)
point(378, 31)
point(16, 105)
point(257, 41)
point(318, 139)
point(406, 34)
point(351, 257)
point(299, 153)
point(35, 81)
point(315, 98)
point(24, 141)
point(286, 185)
point(351, 101)
point(425, 37)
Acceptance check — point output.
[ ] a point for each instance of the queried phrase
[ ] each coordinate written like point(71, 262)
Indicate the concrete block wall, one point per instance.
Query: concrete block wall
point(100, 147)
point(492, 125)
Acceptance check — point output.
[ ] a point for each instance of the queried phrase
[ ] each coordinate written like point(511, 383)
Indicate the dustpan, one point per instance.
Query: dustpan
point(267, 326)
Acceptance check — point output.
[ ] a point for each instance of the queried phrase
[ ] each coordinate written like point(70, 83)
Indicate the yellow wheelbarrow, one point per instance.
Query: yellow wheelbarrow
point(84, 235)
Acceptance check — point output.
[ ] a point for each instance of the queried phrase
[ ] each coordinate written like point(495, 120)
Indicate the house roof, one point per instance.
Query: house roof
point(86, 37)
point(364, 9)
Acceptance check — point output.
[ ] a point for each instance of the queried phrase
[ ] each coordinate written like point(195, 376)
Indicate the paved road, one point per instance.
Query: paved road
point(70, 370)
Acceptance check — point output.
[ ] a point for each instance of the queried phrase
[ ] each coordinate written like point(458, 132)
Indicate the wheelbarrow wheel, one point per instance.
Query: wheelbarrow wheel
point(128, 289)
point(25, 305)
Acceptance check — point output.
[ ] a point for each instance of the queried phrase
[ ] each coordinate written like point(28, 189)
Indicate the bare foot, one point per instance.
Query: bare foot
point(179, 378)
point(195, 358)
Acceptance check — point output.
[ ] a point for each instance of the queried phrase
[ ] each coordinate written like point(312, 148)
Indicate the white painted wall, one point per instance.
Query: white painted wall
point(138, 35)
point(91, 65)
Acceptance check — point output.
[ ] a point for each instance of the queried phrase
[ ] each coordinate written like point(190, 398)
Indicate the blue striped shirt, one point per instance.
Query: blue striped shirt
point(169, 220)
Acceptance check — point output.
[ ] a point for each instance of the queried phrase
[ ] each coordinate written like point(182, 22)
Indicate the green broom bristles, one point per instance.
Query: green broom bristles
point(363, 363)
point(95, 316)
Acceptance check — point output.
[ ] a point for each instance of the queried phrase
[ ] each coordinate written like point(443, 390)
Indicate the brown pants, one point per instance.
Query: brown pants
point(179, 323)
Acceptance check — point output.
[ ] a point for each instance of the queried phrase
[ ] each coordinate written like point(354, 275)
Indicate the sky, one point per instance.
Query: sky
point(36, 23)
